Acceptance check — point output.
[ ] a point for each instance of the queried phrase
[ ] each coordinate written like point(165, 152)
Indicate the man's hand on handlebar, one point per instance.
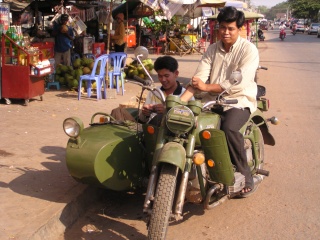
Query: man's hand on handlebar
point(197, 83)
point(147, 109)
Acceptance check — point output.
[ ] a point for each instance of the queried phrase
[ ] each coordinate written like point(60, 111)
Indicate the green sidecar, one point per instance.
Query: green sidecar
point(108, 153)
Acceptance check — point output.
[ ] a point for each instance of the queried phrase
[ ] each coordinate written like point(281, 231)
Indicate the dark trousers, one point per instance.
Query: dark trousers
point(232, 120)
point(119, 48)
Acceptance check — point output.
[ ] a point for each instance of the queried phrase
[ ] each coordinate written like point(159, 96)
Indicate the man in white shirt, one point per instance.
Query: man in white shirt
point(229, 54)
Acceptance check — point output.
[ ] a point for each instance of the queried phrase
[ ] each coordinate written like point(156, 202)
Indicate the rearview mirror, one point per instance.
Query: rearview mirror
point(235, 78)
point(141, 52)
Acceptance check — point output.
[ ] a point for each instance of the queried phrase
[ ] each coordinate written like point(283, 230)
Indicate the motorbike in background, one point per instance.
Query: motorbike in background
point(261, 35)
point(294, 30)
point(282, 35)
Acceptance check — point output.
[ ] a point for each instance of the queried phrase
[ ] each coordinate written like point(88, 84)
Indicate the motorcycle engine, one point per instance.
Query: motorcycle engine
point(238, 184)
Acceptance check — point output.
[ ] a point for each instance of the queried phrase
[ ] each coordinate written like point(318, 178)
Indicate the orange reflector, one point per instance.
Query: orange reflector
point(150, 129)
point(206, 134)
point(198, 158)
point(102, 119)
point(210, 163)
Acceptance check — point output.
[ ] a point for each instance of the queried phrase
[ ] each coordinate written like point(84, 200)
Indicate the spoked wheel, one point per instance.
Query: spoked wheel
point(163, 201)
point(250, 157)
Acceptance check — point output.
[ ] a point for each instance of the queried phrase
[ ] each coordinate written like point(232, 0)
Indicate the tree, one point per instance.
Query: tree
point(279, 8)
point(307, 9)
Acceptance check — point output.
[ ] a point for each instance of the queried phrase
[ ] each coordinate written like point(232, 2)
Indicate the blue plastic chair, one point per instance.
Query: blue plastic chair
point(99, 77)
point(118, 60)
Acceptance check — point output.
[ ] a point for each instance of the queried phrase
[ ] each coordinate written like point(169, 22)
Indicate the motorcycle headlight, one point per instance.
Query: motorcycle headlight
point(73, 126)
point(180, 119)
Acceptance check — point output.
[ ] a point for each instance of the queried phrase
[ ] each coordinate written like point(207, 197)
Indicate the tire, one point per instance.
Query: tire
point(163, 201)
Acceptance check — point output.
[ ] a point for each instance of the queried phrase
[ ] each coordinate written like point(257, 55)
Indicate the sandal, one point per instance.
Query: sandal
point(246, 192)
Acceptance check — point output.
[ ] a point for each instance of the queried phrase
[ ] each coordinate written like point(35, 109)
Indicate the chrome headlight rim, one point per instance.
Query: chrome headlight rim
point(183, 110)
point(73, 127)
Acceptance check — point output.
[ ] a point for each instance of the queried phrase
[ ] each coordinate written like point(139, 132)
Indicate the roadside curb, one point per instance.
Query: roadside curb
point(67, 214)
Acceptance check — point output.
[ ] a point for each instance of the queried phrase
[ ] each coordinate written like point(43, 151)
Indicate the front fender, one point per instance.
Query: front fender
point(173, 153)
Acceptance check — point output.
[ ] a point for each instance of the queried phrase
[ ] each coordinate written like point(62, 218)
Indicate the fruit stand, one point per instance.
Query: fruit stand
point(22, 72)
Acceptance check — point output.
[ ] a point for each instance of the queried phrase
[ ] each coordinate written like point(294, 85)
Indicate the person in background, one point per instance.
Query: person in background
point(167, 70)
point(212, 77)
point(282, 27)
point(119, 35)
point(63, 40)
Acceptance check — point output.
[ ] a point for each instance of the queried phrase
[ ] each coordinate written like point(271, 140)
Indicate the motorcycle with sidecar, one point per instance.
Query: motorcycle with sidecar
point(185, 158)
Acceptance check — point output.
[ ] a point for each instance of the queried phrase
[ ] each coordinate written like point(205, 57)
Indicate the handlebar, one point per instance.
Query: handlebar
point(220, 102)
point(262, 67)
point(147, 85)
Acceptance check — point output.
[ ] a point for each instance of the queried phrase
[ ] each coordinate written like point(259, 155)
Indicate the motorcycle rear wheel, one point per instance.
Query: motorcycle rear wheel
point(163, 202)
point(250, 158)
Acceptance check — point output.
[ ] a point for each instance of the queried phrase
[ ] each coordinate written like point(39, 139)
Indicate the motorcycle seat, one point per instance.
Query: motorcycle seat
point(261, 91)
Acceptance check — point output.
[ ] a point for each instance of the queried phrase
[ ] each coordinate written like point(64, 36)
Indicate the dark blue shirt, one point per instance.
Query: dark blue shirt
point(62, 42)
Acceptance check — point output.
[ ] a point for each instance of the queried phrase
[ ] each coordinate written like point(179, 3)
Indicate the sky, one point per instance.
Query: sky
point(268, 3)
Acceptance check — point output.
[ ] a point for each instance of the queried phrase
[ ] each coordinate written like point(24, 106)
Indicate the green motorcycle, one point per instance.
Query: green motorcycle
point(185, 159)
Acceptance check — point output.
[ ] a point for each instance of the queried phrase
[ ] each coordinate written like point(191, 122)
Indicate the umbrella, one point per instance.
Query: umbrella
point(212, 3)
point(236, 4)
point(247, 15)
point(135, 9)
point(193, 8)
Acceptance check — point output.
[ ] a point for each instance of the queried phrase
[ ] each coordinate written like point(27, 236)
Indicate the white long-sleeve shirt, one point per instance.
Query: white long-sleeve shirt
point(217, 65)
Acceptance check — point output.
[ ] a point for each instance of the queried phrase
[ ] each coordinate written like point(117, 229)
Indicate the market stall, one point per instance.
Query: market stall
point(23, 70)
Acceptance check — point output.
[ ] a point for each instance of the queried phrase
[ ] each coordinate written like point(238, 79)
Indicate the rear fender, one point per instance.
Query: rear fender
point(258, 118)
point(173, 153)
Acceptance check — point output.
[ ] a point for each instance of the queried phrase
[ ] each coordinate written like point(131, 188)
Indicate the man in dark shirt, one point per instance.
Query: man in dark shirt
point(63, 40)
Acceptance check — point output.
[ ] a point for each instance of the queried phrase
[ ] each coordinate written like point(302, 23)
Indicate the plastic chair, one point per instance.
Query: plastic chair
point(118, 60)
point(99, 78)
point(51, 79)
point(56, 84)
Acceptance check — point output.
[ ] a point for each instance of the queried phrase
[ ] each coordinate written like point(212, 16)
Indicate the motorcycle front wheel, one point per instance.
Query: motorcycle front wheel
point(162, 206)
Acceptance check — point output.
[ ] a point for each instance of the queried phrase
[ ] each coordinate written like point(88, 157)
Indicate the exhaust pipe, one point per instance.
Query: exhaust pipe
point(210, 192)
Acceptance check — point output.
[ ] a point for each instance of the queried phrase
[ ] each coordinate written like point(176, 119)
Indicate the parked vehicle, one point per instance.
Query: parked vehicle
point(263, 25)
point(313, 28)
point(300, 27)
point(186, 158)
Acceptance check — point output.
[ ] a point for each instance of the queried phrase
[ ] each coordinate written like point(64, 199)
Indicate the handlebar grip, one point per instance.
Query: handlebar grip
point(231, 101)
point(262, 67)
point(141, 80)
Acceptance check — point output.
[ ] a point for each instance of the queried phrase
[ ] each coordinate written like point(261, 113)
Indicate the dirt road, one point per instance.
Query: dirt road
point(286, 204)
point(35, 184)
